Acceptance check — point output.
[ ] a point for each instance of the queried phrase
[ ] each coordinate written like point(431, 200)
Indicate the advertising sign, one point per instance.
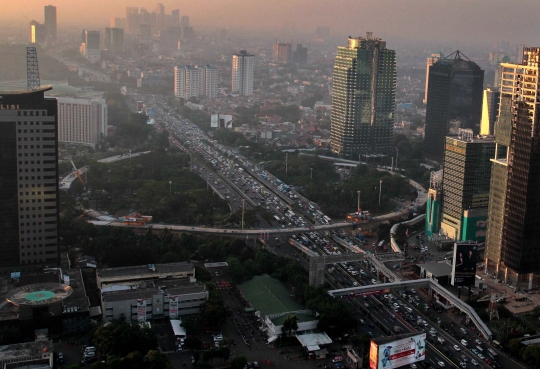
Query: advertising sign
point(225, 121)
point(173, 307)
point(214, 121)
point(140, 106)
point(141, 310)
point(464, 264)
point(150, 112)
point(373, 352)
point(397, 353)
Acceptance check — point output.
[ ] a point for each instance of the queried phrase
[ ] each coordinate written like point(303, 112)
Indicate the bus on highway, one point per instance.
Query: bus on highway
point(492, 353)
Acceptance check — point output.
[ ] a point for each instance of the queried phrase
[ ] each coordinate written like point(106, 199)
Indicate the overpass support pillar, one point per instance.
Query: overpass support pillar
point(316, 271)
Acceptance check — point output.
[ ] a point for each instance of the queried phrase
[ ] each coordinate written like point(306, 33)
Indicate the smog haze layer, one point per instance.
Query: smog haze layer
point(436, 20)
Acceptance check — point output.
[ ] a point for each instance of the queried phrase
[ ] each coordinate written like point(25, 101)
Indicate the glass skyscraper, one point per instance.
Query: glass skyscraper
point(465, 185)
point(363, 98)
point(454, 101)
point(513, 237)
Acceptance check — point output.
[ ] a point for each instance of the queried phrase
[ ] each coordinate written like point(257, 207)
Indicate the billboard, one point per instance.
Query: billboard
point(150, 112)
point(173, 307)
point(140, 106)
point(141, 310)
point(397, 353)
point(464, 263)
point(221, 121)
point(214, 120)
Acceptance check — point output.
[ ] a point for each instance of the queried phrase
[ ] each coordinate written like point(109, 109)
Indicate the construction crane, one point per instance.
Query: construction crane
point(77, 172)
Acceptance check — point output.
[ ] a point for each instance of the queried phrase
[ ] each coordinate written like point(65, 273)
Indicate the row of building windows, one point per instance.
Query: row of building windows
point(26, 113)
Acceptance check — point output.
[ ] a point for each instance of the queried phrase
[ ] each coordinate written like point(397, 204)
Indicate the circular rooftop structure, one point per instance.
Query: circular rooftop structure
point(39, 294)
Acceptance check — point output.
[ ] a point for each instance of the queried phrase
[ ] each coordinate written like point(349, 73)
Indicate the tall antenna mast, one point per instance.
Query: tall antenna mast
point(32, 69)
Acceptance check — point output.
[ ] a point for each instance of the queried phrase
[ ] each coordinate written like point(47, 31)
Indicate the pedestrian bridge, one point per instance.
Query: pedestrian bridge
point(420, 283)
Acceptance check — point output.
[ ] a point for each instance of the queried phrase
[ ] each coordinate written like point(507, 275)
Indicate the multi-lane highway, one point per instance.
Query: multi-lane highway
point(235, 178)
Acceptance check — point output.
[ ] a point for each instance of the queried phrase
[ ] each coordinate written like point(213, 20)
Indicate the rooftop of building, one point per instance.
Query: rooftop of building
point(437, 269)
point(472, 138)
point(21, 350)
point(144, 271)
point(51, 89)
point(21, 90)
point(383, 340)
point(268, 296)
point(301, 318)
point(77, 299)
point(174, 287)
point(310, 340)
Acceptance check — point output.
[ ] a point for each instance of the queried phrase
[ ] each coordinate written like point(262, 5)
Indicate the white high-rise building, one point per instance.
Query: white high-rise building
point(211, 79)
point(242, 73)
point(192, 81)
point(82, 121)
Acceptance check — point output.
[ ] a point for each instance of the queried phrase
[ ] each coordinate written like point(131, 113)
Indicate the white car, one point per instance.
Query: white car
point(482, 357)
point(463, 364)
point(474, 362)
point(456, 347)
point(441, 363)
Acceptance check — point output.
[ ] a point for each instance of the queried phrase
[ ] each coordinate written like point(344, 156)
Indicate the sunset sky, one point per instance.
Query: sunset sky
point(481, 20)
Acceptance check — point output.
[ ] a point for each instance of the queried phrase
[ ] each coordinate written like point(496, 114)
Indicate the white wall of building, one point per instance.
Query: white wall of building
point(82, 121)
point(242, 73)
point(194, 81)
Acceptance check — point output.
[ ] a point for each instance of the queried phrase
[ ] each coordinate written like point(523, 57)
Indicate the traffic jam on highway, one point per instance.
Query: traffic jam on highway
point(399, 311)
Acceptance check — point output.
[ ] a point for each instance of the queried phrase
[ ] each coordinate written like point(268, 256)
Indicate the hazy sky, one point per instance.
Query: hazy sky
point(481, 20)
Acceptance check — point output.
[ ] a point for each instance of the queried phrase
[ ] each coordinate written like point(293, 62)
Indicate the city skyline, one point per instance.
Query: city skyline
point(480, 20)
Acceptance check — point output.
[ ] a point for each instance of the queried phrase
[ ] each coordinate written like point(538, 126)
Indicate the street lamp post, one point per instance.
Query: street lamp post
point(392, 167)
point(311, 169)
point(358, 192)
point(380, 191)
point(397, 153)
point(206, 180)
point(170, 188)
point(286, 164)
point(243, 202)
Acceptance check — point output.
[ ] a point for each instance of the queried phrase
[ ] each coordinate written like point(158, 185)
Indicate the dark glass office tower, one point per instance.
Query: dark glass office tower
point(454, 101)
point(28, 181)
point(363, 98)
point(513, 238)
point(50, 24)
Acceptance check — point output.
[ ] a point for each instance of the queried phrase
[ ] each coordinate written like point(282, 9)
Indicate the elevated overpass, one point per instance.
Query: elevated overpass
point(317, 262)
point(420, 283)
point(233, 233)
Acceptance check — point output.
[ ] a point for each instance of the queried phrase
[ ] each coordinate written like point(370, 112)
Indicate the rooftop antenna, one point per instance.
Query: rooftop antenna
point(32, 69)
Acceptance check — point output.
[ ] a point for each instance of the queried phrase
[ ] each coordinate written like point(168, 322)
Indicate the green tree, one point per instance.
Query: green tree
point(530, 354)
point(121, 338)
point(156, 360)
point(290, 324)
point(190, 326)
point(514, 346)
point(239, 362)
